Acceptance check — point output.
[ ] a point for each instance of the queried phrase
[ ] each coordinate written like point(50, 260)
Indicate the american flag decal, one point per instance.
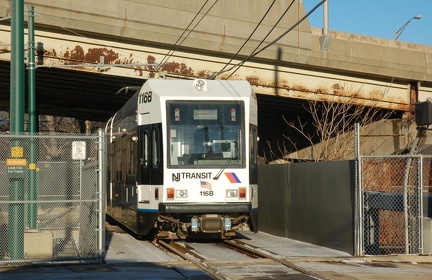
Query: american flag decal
point(206, 185)
point(232, 177)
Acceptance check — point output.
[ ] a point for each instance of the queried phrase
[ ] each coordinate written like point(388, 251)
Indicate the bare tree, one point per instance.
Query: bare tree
point(332, 136)
point(58, 124)
point(4, 121)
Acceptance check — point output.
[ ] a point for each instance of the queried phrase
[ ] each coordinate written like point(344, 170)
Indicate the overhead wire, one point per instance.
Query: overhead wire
point(64, 28)
point(268, 34)
point(177, 44)
point(247, 40)
point(238, 65)
point(174, 47)
point(275, 40)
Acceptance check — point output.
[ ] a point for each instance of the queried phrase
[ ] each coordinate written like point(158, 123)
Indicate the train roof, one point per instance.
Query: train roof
point(187, 89)
point(127, 108)
point(199, 88)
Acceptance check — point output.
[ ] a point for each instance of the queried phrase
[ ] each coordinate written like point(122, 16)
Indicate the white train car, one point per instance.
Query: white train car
point(182, 159)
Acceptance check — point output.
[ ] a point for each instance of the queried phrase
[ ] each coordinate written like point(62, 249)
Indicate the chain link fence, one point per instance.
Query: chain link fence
point(392, 197)
point(395, 202)
point(51, 199)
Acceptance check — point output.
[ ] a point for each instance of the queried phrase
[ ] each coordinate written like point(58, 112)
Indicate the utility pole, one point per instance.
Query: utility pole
point(33, 122)
point(16, 181)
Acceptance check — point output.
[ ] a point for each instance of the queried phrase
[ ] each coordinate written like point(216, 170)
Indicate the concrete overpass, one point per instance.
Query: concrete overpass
point(197, 40)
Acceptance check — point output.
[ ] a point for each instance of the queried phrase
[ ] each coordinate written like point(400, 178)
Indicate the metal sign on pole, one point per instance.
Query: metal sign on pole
point(78, 150)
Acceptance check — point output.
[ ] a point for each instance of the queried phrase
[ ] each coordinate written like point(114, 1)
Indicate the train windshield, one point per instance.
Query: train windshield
point(205, 133)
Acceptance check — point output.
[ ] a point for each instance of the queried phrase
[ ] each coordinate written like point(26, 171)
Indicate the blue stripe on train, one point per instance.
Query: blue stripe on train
point(147, 210)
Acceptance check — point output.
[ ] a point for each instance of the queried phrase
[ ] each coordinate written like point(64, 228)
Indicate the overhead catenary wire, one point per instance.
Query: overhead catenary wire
point(157, 66)
point(167, 56)
point(177, 44)
point(268, 34)
point(174, 47)
point(247, 40)
point(274, 41)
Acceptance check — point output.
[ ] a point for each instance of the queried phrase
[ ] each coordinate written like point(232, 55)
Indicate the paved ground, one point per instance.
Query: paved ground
point(129, 258)
point(331, 264)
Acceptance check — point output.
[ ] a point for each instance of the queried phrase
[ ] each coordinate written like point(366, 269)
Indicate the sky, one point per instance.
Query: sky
point(377, 18)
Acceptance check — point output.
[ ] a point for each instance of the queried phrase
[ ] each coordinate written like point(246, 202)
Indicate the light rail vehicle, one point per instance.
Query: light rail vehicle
point(182, 159)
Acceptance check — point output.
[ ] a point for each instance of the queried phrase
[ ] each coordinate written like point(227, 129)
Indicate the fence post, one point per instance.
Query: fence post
point(358, 207)
point(413, 148)
point(420, 203)
point(101, 197)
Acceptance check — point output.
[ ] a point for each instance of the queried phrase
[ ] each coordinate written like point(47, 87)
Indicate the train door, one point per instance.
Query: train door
point(156, 155)
point(117, 180)
point(144, 163)
point(150, 161)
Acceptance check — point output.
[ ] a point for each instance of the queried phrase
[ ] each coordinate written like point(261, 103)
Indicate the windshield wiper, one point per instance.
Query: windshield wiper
point(227, 162)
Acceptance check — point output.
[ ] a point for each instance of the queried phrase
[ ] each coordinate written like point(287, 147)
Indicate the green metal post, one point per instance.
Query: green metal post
point(32, 176)
point(16, 185)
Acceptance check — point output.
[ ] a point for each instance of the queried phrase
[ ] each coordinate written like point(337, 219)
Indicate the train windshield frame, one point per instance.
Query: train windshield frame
point(206, 134)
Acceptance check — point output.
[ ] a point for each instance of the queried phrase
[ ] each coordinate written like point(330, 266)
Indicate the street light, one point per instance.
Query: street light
point(398, 32)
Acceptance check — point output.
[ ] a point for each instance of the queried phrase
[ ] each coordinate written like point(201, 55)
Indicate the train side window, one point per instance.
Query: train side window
point(131, 157)
point(253, 144)
point(145, 148)
point(118, 155)
point(155, 147)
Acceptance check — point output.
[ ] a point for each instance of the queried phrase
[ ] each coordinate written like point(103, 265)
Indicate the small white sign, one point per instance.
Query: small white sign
point(78, 150)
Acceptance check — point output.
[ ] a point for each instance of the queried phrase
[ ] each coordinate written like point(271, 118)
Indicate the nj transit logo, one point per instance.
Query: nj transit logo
point(232, 177)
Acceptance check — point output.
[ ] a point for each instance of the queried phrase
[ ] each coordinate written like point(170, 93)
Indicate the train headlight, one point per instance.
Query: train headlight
point(231, 193)
point(181, 194)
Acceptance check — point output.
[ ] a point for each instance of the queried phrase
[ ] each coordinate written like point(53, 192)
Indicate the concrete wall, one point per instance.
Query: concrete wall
point(225, 28)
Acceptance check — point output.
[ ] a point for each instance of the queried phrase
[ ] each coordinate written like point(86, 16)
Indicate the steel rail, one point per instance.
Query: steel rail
point(213, 273)
point(248, 250)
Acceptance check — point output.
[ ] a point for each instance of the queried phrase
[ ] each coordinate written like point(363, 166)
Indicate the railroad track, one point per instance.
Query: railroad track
point(190, 256)
point(253, 263)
